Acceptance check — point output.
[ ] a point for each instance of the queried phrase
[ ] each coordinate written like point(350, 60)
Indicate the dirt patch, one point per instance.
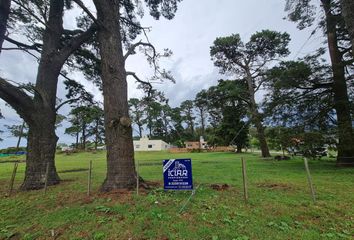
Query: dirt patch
point(220, 187)
point(275, 186)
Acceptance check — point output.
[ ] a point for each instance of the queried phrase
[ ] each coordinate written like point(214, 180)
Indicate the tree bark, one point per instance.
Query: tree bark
point(120, 152)
point(256, 116)
point(348, 14)
point(4, 15)
point(341, 100)
point(40, 152)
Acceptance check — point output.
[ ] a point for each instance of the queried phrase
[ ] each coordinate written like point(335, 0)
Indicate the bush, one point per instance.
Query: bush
point(12, 150)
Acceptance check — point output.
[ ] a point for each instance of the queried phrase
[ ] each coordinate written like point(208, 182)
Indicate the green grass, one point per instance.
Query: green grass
point(279, 206)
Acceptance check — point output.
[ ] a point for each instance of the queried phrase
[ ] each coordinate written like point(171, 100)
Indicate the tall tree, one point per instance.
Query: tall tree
point(120, 153)
point(248, 62)
point(187, 108)
point(96, 128)
point(228, 108)
point(136, 107)
point(339, 46)
point(43, 24)
point(201, 104)
point(19, 131)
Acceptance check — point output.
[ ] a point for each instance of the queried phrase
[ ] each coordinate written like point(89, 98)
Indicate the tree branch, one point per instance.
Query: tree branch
point(127, 21)
point(18, 99)
point(139, 80)
point(30, 12)
point(75, 42)
point(87, 11)
point(140, 43)
point(66, 102)
point(35, 46)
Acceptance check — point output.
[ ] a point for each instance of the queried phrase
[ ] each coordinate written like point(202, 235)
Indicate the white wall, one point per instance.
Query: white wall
point(144, 144)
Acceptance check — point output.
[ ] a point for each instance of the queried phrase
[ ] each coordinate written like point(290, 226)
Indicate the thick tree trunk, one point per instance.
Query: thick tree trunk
point(41, 144)
point(341, 100)
point(40, 153)
point(120, 152)
point(256, 117)
point(4, 15)
point(348, 14)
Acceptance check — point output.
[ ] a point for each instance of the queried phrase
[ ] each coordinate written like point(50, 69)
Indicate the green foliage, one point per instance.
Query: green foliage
point(87, 120)
point(230, 54)
point(300, 94)
point(12, 150)
point(15, 130)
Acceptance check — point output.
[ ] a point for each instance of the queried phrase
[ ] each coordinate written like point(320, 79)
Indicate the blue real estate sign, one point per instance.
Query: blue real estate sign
point(177, 174)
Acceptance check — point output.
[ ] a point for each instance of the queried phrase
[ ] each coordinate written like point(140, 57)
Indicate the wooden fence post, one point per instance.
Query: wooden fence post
point(244, 177)
point(11, 185)
point(137, 177)
point(309, 179)
point(89, 179)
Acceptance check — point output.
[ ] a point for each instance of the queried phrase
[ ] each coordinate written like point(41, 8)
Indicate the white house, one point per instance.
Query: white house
point(145, 144)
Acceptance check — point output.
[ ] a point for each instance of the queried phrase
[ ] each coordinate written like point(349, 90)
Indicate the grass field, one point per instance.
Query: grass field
point(279, 206)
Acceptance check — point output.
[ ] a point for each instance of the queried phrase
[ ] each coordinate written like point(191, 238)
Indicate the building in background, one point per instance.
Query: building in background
point(145, 144)
point(197, 145)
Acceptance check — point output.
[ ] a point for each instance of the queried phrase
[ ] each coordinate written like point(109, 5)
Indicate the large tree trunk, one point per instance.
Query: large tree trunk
point(348, 14)
point(41, 144)
point(256, 117)
point(341, 99)
point(40, 153)
point(4, 15)
point(120, 152)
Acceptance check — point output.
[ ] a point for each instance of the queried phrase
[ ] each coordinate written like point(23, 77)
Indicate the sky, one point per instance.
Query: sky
point(189, 35)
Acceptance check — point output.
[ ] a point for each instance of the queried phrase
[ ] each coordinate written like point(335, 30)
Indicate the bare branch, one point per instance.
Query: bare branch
point(140, 43)
point(133, 74)
point(36, 46)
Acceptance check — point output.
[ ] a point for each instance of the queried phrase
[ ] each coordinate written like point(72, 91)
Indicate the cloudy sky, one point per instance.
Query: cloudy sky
point(189, 35)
